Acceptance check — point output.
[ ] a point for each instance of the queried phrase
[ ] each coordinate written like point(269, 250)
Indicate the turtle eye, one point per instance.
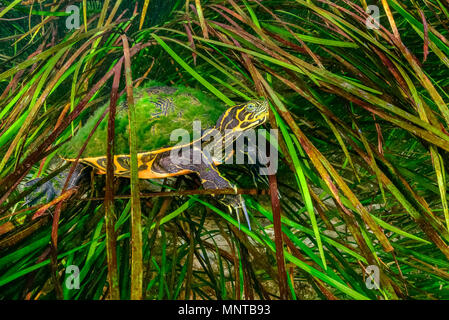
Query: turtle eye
point(251, 107)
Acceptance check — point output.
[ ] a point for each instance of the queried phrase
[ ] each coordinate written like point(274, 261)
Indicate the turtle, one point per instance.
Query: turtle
point(160, 111)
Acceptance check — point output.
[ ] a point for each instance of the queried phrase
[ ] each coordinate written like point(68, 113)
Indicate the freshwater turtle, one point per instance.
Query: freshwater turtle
point(161, 110)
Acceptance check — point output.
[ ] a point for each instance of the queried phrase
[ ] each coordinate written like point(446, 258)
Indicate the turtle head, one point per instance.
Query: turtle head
point(244, 116)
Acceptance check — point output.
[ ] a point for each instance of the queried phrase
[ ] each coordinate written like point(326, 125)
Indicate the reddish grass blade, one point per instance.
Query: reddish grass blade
point(276, 207)
point(426, 35)
point(136, 220)
point(111, 236)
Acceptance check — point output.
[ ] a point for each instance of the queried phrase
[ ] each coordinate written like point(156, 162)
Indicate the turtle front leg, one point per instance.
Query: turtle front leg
point(212, 179)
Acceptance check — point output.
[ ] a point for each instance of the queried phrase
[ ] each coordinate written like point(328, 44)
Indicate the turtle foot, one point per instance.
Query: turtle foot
point(42, 194)
point(51, 189)
point(236, 202)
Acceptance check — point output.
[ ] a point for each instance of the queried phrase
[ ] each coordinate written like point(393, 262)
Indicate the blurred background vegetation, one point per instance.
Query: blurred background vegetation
point(363, 121)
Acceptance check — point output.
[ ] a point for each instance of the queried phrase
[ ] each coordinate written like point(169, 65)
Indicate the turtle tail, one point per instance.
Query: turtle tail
point(51, 189)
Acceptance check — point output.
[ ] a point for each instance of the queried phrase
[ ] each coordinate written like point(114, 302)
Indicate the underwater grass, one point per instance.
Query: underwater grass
point(363, 145)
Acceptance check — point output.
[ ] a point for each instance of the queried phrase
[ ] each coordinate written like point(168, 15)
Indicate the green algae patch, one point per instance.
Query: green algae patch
point(159, 111)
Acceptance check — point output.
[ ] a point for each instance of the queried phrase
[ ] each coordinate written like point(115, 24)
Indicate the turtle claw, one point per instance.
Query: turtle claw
point(237, 213)
point(245, 212)
point(241, 205)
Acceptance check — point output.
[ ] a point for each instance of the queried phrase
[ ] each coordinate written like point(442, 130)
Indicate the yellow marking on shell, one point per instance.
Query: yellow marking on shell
point(146, 173)
point(149, 174)
point(118, 168)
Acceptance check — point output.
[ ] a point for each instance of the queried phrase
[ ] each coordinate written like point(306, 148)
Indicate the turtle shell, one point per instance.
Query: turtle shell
point(159, 110)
